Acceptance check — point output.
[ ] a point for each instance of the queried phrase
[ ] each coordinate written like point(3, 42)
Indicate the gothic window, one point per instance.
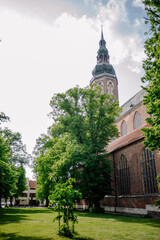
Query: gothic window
point(137, 120)
point(124, 177)
point(149, 172)
point(123, 128)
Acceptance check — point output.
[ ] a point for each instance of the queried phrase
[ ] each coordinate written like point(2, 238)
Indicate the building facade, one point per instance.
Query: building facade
point(28, 197)
point(135, 167)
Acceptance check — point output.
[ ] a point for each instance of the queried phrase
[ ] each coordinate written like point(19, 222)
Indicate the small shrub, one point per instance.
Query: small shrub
point(65, 231)
point(157, 203)
point(96, 209)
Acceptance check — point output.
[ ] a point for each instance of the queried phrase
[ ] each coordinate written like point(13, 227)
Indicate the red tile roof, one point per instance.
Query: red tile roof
point(125, 140)
point(32, 183)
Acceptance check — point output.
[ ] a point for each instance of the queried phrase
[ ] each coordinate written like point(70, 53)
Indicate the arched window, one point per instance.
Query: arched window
point(137, 120)
point(149, 172)
point(124, 177)
point(123, 128)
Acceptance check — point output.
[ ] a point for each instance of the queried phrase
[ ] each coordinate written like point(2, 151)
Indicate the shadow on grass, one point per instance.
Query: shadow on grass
point(121, 218)
point(83, 238)
point(14, 236)
point(26, 210)
point(8, 215)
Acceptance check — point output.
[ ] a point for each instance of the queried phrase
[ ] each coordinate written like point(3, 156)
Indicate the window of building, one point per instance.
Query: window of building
point(149, 172)
point(124, 176)
point(24, 195)
point(123, 128)
point(32, 195)
point(137, 120)
point(110, 88)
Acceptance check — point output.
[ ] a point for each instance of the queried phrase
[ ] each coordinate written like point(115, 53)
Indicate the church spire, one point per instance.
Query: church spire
point(103, 73)
point(102, 32)
point(103, 55)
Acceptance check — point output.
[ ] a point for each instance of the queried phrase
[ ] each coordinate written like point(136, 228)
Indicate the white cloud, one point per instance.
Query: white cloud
point(138, 3)
point(39, 59)
point(113, 11)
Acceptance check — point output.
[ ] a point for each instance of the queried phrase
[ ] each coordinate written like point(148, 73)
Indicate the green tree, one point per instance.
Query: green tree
point(3, 117)
point(7, 180)
point(21, 183)
point(13, 157)
point(152, 75)
point(85, 117)
point(63, 199)
point(42, 165)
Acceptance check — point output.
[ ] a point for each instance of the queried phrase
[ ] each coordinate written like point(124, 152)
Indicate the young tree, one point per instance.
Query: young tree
point(63, 199)
point(152, 75)
point(86, 117)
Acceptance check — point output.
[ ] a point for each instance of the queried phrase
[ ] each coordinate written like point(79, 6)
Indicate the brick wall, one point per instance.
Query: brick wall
point(129, 118)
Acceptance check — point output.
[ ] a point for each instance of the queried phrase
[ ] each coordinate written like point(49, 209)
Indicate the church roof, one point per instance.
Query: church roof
point(126, 140)
point(132, 103)
point(102, 69)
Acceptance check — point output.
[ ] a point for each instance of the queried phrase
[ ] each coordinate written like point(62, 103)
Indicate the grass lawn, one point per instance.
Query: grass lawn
point(37, 224)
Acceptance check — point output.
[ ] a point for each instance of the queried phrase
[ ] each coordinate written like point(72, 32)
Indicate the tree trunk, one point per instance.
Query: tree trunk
point(59, 220)
point(11, 199)
point(97, 203)
point(47, 201)
point(67, 221)
point(73, 227)
point(6, 202)
point(0, 202)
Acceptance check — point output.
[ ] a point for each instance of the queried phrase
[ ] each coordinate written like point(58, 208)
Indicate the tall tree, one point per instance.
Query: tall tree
point(152, 75)
point(86, 117)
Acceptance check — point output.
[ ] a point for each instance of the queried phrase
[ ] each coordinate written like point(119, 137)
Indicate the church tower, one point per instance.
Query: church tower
point(104, 74)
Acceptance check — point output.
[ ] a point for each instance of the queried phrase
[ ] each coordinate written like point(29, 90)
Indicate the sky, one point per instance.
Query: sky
point(49, 46)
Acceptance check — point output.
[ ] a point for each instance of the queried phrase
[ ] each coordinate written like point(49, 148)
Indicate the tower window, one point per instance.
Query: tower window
point(123, 128)
point(100, 83)
point(149, 172)
point(110, 88)
point(137, 120)
point(124, 176)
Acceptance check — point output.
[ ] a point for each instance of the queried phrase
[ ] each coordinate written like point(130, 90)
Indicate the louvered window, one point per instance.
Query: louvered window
point(149, 172)
point(124, 176)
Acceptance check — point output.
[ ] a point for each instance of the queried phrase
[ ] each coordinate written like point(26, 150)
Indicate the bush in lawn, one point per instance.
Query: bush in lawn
point(96, 209)
point(63, 199)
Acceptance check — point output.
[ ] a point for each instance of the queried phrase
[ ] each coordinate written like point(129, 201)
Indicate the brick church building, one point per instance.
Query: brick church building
point(135, 167)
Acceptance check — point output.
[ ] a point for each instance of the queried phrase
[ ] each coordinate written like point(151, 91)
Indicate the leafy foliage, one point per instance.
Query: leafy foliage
point(75, 145)
point(13, 156)
point(152, 75)
point(63, 199)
